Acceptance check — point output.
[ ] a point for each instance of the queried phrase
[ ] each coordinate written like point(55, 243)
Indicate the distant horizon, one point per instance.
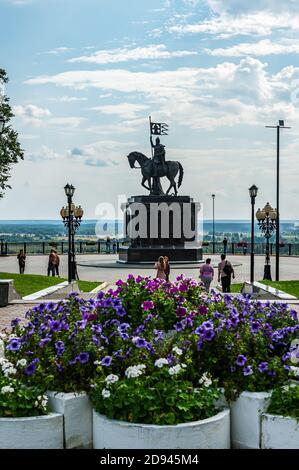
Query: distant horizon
point(121, 220)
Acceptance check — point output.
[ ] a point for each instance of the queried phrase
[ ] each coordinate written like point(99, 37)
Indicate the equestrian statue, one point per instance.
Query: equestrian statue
point(152, 169)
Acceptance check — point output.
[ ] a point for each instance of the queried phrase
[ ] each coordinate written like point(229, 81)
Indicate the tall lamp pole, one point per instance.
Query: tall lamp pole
point(71, 216)
point(213, 198)
point(267, 224)
point(280, 126)
point(253, 193)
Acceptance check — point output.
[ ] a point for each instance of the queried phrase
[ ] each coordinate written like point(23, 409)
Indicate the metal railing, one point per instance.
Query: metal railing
point(97, 247)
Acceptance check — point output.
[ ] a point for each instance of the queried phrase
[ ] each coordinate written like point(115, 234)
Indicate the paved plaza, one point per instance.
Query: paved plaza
point(110, 271)
point(289, 267)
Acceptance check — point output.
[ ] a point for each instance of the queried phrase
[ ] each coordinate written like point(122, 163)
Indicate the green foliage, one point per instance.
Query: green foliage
point(154, 397)
point(10, 148)
point(26, 284)
point(285, 401)
point(16, 398)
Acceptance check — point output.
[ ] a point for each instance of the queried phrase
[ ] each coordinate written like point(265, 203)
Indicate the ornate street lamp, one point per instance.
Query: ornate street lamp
point(71, 216)
point(253, 193)
point(2, 124)
point(267, 218)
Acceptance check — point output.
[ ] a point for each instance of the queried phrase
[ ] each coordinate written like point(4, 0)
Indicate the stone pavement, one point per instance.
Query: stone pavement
point(289, 269)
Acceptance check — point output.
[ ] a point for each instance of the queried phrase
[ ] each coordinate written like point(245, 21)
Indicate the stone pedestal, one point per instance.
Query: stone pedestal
point(161, 226)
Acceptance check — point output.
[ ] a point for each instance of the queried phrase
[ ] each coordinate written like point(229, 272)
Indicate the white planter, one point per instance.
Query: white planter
point(246, 419)
point(38, 432)
point(279, 432)
point(77, 417)
point(211, 433)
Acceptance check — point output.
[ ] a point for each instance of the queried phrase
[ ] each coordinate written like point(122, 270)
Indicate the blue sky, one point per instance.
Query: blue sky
point(86, 74)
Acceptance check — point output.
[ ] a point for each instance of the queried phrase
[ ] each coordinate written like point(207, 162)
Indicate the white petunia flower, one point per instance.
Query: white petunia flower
point(9, 371)
point(174, 370)
point(111, 379)
point(177, 350)
point(105, 393)
point(205, 380)
point(134, 371)
point(161, 362)
point(7, 389)
point(22, 362)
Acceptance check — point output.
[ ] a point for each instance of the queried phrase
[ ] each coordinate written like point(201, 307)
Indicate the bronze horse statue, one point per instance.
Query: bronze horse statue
point(148, 171)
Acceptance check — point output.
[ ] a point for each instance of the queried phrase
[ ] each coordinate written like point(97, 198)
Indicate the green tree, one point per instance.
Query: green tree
point(10, 148)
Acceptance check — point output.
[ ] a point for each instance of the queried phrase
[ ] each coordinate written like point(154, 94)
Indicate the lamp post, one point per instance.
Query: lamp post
point(267, 224)
point(253, 193)
point(213, 198)
point(280, 126)
point(71, 216)
point(2, 124)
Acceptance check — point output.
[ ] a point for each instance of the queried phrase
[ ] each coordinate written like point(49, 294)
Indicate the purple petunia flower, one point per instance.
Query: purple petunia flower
point(55, 325)
point(31, 368)
point(255, 326)
point(241, 360)
point(247, 371)
point(83, 357)
point(14, 344)
point(181, 312)
point(199, 345)
point(120, 311)
point(170, 359)
point(15, 322)
point(209, 335)
point(179, 326)
point(233, 369)
point(106, 361)
point(139, 342)
point(263, 366)
point(203, 310)
point(147, 305)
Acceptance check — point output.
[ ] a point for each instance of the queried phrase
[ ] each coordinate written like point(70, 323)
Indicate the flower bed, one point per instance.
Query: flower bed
point(280, 425)
point(117, 349)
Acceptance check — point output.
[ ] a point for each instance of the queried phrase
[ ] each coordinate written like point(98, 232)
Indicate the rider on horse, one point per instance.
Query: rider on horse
point(159, 156)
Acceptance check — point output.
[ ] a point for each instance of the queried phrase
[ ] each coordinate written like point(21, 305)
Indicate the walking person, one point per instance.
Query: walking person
point(108, 244)
point(51, 263)
point(224, 242)
point(160, 267)
point(225, 273)
point(57, 263)
point(167, 268)
point(22, 261)
point(207, 274)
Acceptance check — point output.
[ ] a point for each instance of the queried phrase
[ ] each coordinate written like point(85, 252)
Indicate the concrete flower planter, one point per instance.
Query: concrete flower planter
point(77, 418)
point(211, 433)
point(246, 414)
point(279, 432)
point(38, 432)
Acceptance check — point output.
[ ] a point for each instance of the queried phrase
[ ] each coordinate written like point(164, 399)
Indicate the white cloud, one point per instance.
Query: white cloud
point(44, 154)
point(224, 95)
point(60, 50)
point(70, 121)
point(262, 48)
point(260, 23)
point(150, 52)
point(31, 111)
point(68, 99)
point(125, 110)
point(92, 154)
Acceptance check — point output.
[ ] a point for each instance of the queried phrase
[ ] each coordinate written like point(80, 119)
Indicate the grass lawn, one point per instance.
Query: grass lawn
point(26, 284)
point(290, 287)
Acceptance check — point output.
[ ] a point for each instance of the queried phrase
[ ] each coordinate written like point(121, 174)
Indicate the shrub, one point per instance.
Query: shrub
point(285, 401)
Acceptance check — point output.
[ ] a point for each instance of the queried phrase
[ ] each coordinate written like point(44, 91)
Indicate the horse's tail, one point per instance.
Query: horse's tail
point(180, 175)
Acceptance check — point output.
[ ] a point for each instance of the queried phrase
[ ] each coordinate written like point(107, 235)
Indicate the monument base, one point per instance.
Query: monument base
point(151, 255)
